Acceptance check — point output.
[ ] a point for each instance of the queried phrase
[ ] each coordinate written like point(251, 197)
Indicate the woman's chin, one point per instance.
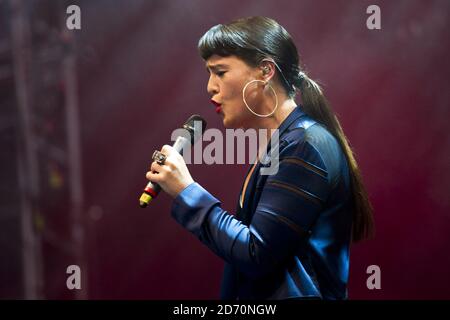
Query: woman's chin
point(226, 124)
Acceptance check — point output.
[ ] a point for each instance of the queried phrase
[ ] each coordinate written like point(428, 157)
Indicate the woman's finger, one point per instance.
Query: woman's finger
point(167, 150)
point(153, 176)
point(156, 167)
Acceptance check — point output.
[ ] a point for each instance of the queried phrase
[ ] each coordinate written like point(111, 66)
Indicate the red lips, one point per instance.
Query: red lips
point(218, 106)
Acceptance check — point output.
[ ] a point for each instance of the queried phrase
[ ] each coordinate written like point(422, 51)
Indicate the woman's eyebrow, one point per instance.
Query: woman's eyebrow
point(215, 67)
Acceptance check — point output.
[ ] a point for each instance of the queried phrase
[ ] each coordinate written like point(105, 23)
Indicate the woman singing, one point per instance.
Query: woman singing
point(291, 235)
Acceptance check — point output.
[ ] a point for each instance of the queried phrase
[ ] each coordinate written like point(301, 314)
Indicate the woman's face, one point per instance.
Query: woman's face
point(227, 78)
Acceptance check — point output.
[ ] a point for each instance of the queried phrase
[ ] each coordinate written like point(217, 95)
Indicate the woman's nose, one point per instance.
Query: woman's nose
point(212, 87)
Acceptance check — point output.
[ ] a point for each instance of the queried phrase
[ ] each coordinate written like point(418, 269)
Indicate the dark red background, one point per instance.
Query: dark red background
point(140, 77)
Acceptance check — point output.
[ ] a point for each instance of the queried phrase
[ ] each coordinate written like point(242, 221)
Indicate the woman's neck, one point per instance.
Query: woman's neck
point(273, 122)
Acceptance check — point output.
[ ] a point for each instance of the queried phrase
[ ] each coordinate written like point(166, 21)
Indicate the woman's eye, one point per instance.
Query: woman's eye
point(220, 73)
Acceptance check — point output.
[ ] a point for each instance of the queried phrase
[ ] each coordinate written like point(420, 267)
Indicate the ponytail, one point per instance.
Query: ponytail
point(317, 107)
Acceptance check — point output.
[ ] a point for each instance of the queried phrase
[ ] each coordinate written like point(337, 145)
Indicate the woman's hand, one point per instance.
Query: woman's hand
point(173, 176)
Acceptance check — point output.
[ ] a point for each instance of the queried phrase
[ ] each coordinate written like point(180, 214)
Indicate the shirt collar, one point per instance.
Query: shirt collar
point(294, 115)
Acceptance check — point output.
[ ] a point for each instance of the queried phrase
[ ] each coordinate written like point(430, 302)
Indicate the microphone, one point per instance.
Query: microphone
point(194, 127)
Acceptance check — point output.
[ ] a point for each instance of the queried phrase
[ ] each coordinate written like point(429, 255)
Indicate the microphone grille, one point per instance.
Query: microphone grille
point(194, 118)
point(192, 124)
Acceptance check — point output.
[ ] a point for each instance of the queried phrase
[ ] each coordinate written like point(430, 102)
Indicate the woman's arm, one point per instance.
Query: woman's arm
point(289, 204)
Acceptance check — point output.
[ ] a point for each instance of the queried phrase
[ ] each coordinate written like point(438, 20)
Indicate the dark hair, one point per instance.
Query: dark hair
point(256, 38)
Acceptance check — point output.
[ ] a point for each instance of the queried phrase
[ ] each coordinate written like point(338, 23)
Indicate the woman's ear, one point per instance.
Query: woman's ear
point(268, 69)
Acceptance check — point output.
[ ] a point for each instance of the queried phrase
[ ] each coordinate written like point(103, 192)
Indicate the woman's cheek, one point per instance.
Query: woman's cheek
point(235, 93)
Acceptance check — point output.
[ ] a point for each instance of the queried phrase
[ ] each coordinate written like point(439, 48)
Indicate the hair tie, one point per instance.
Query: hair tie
point(301, 76)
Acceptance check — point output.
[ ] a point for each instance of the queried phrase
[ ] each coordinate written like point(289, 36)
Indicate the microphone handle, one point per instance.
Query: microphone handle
point(152, 190)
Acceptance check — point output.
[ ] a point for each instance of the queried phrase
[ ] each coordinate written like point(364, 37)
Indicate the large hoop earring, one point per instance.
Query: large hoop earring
point(246, 104)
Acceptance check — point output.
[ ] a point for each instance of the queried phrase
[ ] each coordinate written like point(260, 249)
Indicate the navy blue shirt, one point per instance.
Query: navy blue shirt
point(291, 238)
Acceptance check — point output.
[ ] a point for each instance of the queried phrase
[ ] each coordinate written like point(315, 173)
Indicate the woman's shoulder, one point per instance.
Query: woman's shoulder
point(307, 130)
point(312, 142)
